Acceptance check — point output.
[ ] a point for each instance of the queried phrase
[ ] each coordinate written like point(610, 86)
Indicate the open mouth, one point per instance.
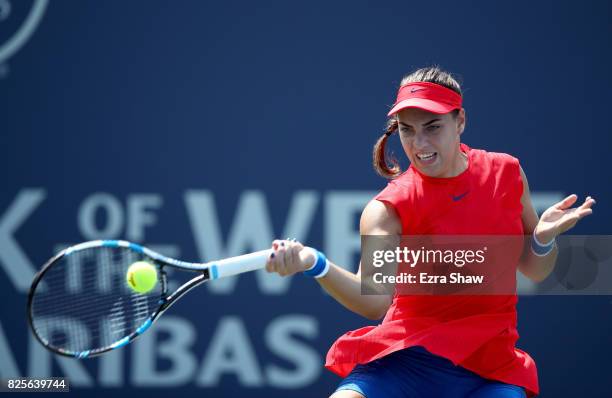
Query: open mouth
point(427, 157)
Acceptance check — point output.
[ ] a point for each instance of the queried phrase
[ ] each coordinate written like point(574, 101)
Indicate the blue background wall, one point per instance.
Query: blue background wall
point(140, 120)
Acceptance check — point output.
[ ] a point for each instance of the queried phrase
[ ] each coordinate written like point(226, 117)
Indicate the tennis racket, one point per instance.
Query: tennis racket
point(79, 304)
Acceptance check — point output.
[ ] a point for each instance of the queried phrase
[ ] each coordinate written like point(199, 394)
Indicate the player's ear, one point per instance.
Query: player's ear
point(461, 119)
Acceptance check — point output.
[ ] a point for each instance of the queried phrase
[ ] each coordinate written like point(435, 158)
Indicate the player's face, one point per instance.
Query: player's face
point(431, 141)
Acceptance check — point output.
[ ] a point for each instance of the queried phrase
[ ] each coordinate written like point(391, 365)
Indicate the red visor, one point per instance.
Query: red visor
point(427, 96)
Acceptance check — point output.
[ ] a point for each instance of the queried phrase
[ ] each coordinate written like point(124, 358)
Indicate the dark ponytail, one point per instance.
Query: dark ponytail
point(380, 162)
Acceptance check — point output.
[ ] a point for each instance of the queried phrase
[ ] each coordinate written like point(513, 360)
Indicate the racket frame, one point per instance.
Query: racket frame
point(208, 271)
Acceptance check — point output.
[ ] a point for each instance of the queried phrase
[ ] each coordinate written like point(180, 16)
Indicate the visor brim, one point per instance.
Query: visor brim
point(422, 103)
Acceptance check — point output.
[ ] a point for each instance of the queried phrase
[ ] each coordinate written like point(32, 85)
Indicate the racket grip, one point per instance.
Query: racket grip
point(239, 264)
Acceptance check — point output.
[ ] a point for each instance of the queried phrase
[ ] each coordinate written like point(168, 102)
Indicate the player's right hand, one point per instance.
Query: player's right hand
point(289, 257)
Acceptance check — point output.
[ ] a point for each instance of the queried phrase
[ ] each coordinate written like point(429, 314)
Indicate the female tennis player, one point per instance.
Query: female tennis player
point(437, 346)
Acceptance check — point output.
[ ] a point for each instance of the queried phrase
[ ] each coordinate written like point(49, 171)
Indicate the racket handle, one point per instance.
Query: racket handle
point(239, 264)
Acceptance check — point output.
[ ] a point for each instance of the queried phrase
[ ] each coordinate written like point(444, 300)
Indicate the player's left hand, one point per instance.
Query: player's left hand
point(560, 217)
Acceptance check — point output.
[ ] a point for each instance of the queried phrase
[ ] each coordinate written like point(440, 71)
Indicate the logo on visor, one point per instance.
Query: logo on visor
point(414, 90)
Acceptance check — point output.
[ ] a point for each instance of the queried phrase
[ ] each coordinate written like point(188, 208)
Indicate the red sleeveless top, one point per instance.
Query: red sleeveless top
point(476, 332)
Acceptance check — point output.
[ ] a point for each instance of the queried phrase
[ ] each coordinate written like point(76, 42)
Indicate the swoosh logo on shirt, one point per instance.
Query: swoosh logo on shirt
point(459, 197)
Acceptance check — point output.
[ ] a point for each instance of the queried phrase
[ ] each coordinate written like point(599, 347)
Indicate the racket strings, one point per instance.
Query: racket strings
point(84, 303)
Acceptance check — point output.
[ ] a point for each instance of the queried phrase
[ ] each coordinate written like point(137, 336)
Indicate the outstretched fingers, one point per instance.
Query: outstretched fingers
point(586, 208)
point(567, 202)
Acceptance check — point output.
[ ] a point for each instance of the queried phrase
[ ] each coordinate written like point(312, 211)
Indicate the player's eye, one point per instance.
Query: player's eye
point(433, 128)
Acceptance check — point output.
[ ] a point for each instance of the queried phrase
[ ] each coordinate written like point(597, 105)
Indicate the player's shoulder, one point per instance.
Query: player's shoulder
point(496, 159)
point(379, 217)
point(398, 190)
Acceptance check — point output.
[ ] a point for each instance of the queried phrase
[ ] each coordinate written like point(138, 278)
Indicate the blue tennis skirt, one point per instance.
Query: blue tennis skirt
point(414, 372)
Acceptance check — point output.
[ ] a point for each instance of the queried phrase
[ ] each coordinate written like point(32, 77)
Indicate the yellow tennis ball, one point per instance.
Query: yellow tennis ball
point(141, 277)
